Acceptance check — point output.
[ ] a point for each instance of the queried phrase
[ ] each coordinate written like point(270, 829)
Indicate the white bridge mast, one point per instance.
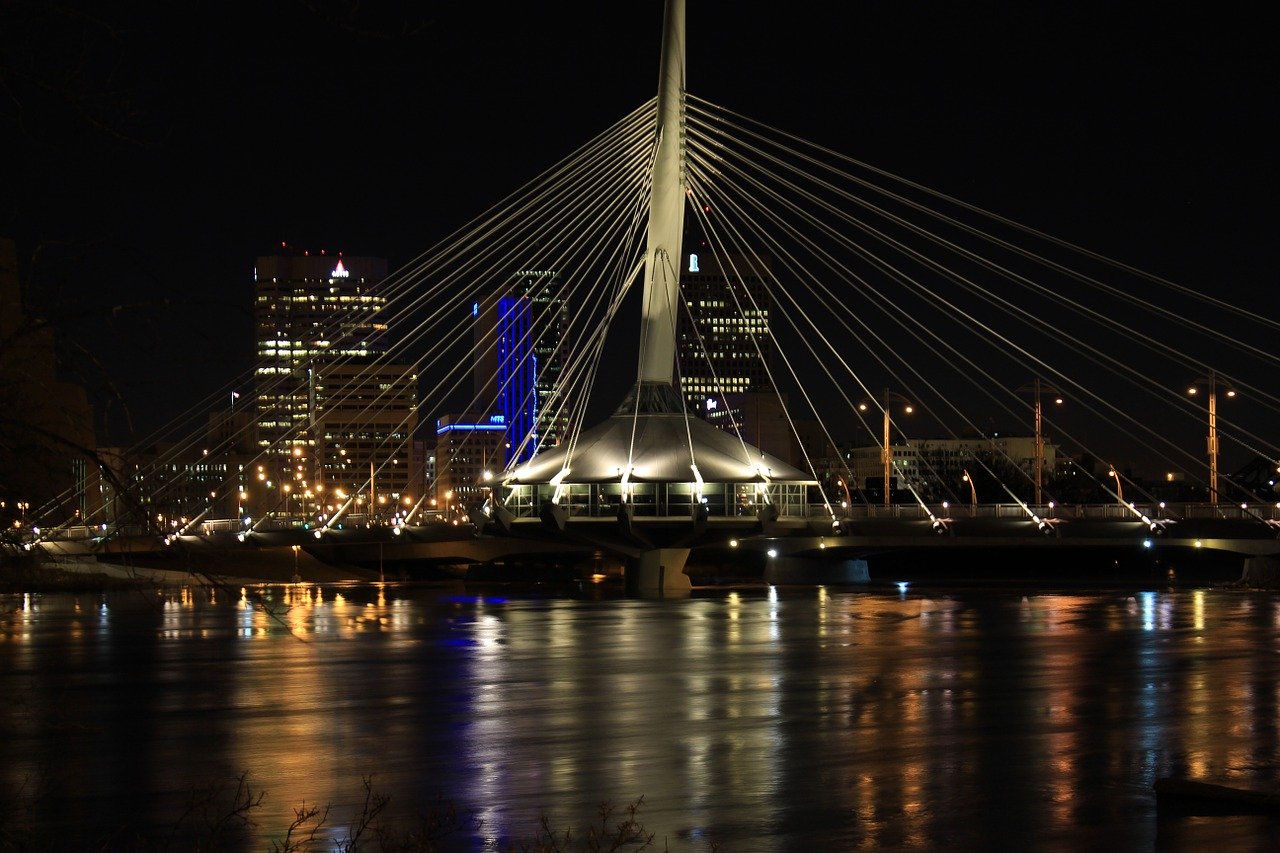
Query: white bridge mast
point(652, 439)
point(666, 209)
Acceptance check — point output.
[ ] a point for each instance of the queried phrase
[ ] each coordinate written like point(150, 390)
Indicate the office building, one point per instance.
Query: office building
point(366, 414)
point(723, 343)
point(308, 309)
point(470, 448)
point(330, 410)
point(522, 350)
point(936, 467)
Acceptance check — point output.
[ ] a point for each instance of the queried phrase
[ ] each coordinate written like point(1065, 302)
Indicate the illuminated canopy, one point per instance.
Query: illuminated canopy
point(659, 443)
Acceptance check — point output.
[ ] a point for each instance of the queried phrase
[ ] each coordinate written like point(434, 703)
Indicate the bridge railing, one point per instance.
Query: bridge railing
point(1268, 513)
point(72, 533)
point(1109, 511)
point(81, 533)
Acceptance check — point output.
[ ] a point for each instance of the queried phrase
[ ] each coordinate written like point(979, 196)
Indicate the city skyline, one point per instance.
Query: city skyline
point(875, 608)
point(1129, 134)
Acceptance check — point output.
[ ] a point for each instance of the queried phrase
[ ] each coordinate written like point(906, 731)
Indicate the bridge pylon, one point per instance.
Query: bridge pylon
point(659, 571)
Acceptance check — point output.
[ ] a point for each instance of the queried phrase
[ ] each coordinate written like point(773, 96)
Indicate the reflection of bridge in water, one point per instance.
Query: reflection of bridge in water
point(847, 270)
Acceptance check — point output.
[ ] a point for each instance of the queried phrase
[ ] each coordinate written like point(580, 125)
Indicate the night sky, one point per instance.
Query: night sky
point(155, 149)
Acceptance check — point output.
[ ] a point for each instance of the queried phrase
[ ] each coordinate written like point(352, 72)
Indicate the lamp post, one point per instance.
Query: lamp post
point(973, 491)
point(1211, 381)
point(1038, 389)
point(848, 502)
point(886, 452)
point(1119, 485)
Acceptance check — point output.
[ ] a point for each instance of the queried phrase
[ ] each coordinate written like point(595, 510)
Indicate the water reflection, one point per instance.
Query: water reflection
point(768, 719)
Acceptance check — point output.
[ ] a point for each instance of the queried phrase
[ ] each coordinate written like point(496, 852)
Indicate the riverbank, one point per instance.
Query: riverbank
point(27, 573)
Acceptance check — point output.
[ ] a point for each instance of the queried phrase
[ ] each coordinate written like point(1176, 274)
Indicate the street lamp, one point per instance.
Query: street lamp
point(1211, 381)
point(1038, 389)
point(1119, 485)
point(848, 502)
point(973, 491)
point(886, 452)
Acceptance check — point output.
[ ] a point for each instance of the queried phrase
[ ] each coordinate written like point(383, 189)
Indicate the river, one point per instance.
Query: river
point(757, 718)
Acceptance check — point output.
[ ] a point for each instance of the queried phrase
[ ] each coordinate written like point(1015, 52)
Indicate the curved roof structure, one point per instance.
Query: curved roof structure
point(661, 443)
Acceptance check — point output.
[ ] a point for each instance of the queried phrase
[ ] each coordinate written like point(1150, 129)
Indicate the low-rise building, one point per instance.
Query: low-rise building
point(936, 468)
point(470, 449)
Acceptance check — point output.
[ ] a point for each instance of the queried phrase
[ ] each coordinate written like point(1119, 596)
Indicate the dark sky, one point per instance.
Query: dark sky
point(156, 148)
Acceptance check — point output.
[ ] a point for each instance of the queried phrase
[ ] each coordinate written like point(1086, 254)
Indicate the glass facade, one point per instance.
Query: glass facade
point(517, 378)
point(522, 345)
point(664, 500)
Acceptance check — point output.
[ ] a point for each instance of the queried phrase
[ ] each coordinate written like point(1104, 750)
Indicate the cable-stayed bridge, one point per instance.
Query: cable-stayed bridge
point(856, 295)
point(791, 547)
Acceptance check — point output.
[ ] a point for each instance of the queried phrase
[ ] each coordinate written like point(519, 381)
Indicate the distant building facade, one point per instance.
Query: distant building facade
point(170, 483)
point(333, 414)
point(936, 467)
point(760, 418)
point(722, 343)
point(467, 446)
point(309, 309)
point(522, 345)
point(330, 411)
point(366, 415)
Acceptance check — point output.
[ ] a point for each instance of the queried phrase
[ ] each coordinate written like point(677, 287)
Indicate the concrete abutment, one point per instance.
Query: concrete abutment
point(660, 571)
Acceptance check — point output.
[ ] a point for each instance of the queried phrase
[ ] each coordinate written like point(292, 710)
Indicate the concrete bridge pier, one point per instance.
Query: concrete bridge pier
point(802, 570)
point(660, 572)
point(1263, 571)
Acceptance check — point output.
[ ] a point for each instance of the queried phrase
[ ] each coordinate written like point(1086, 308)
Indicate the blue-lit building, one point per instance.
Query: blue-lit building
point(521, 334)
point(517, 377)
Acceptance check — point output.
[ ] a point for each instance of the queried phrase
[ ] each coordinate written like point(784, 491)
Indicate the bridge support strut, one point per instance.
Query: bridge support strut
point(659, 571)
